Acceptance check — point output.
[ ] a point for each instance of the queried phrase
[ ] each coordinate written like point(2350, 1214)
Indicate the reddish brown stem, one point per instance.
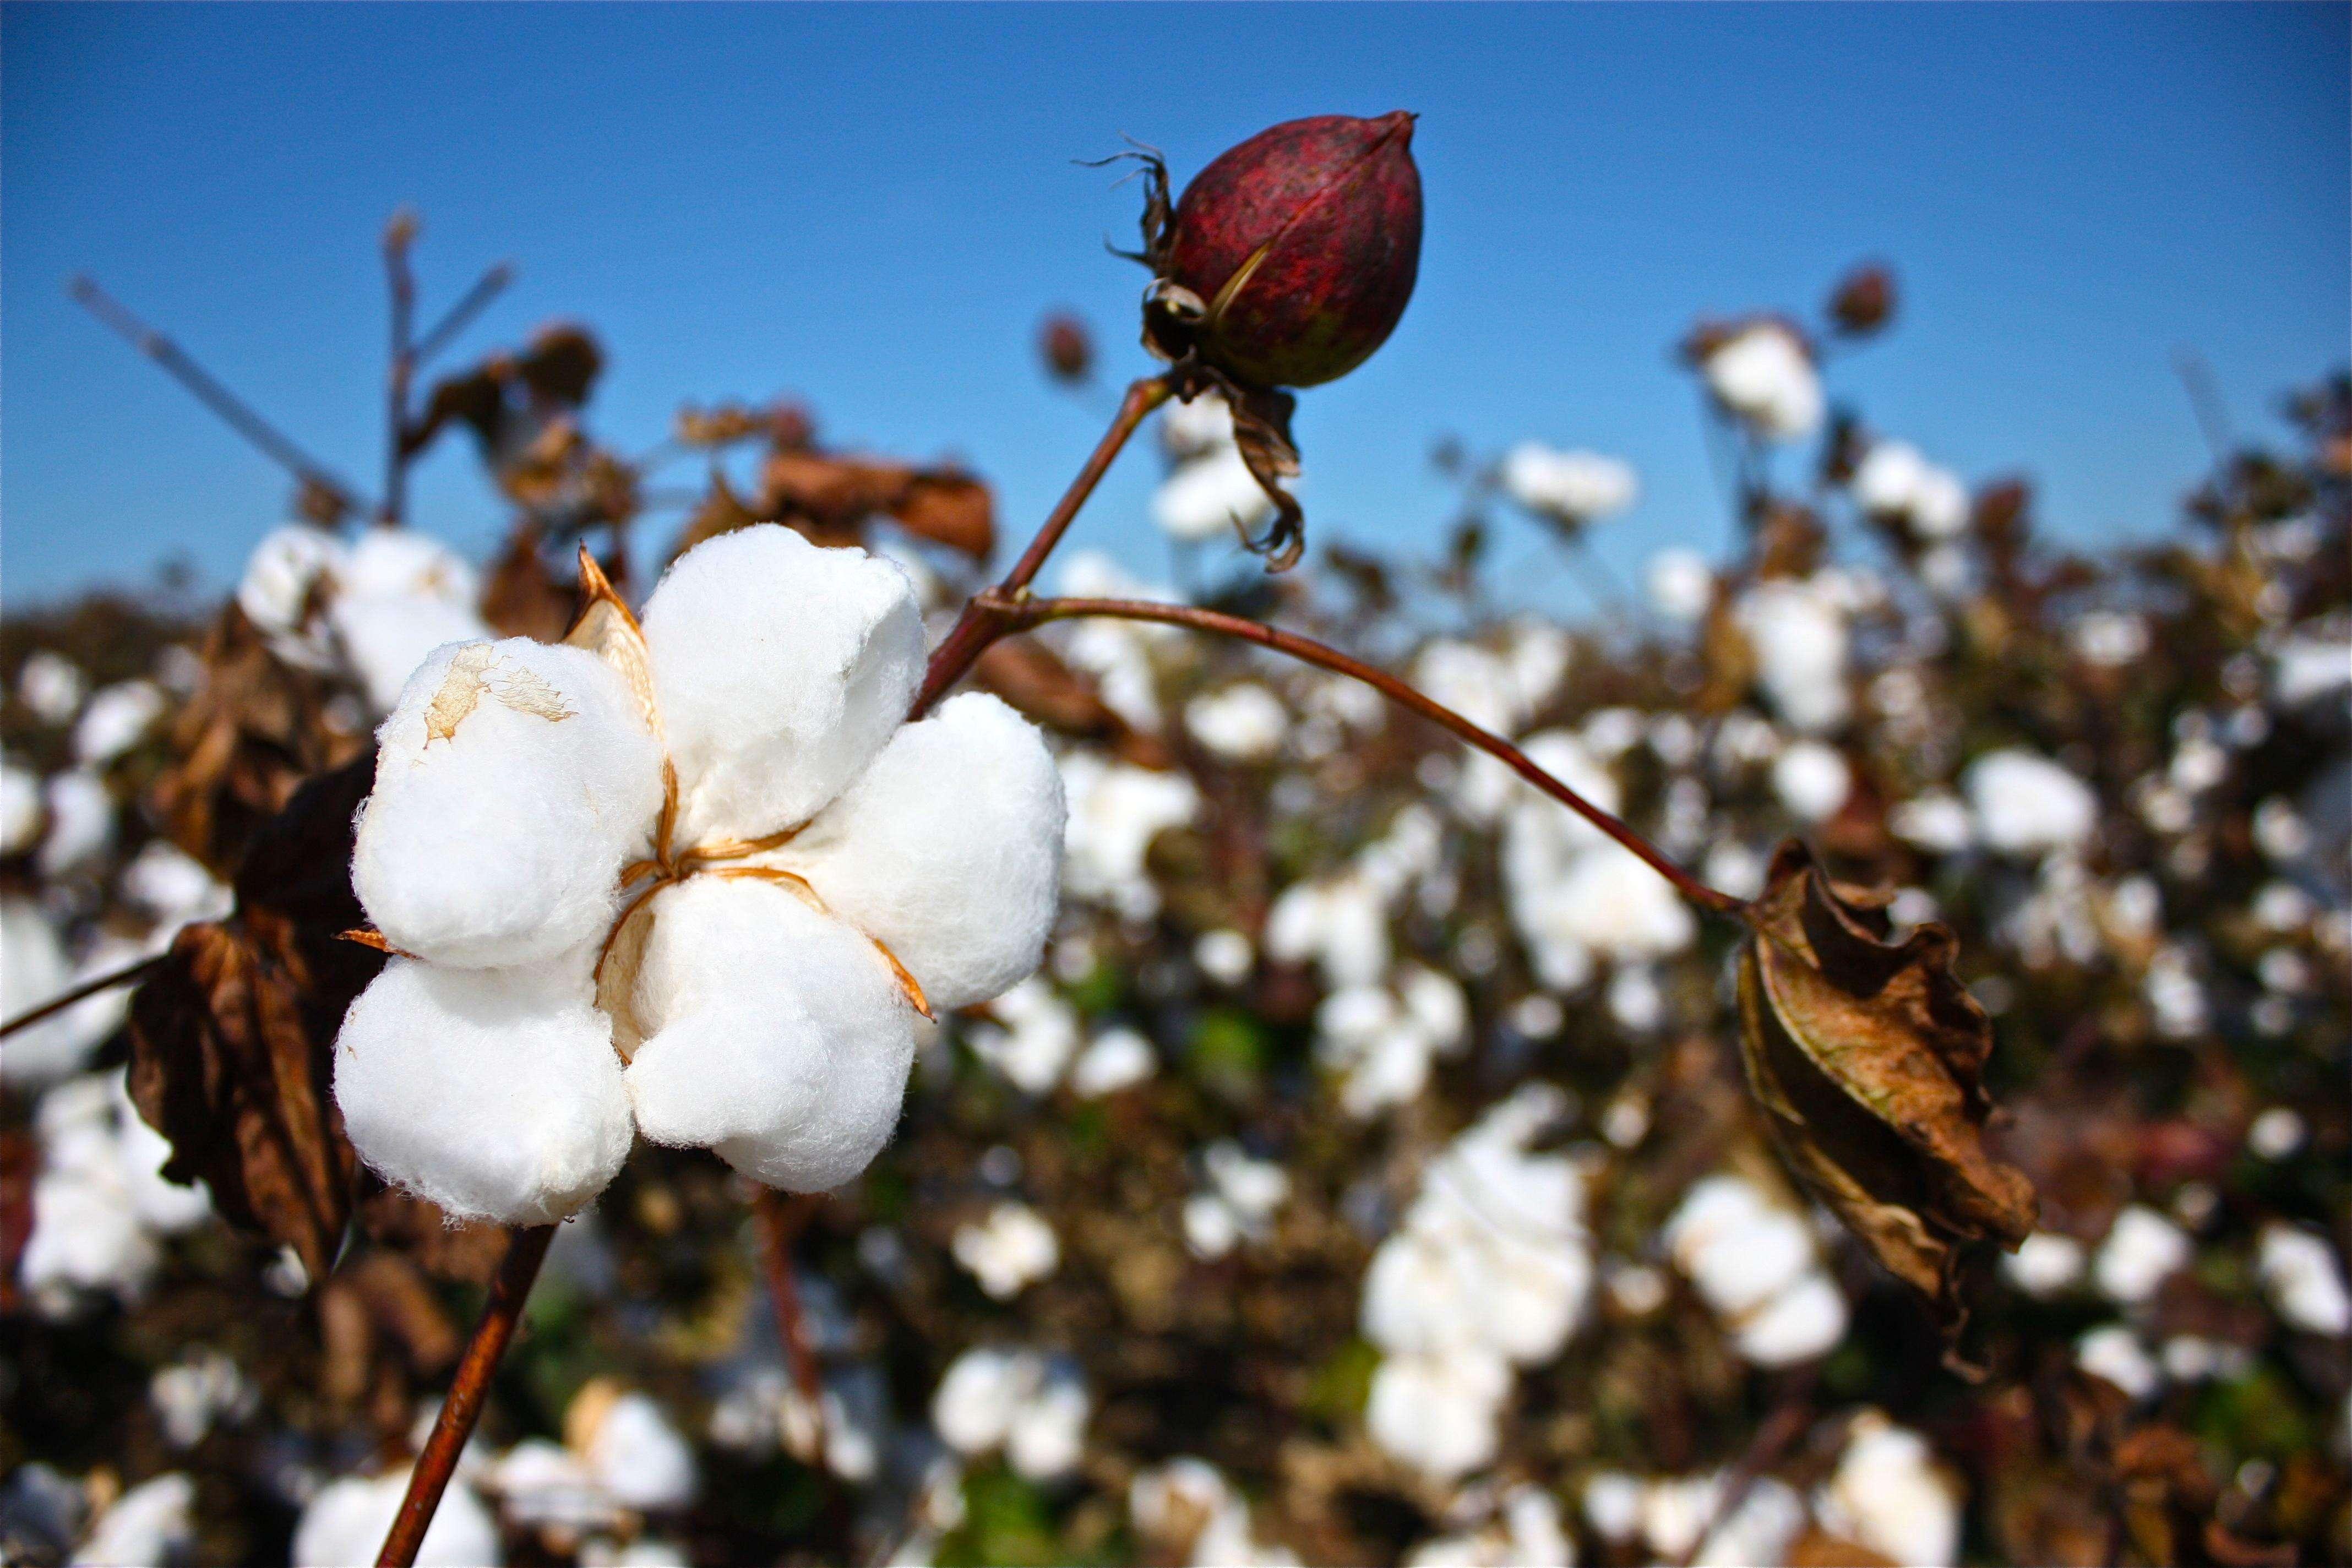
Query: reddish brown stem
point(462, 1407)
point(782, 1220)
point(87, 989)
point(1017, 614)
point(980, 625)
point(401, 285)
point(1783, 1426)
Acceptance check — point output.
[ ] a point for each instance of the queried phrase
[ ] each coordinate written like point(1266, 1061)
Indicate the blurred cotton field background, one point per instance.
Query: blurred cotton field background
point(1367, 1175)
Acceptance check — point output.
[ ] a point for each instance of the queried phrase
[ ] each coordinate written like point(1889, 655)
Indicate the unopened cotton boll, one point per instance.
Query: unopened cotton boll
point(2027, 805)
point(1681, 585)
point(1889, 1494)
point(151, 1524)
point(1575, 486)
point(2143, 1249)
point(1008, 1251)
point(947, 850)
point(1813, 781)
point(513, 781)
point(2304, 1281)
point(116, 719)
point(1763, 374)
point(493, 1092)
point(1212, 495)
point(775, 1035)
point(782, 668)
point(347, 1520)
point(1244, 723)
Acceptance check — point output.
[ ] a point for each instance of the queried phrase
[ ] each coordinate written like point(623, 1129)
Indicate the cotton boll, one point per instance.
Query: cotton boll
point(1889, 1494)
point(1189, 429)
point(1438, 1413)
point(1763, 374)
point(513, 781)
point(1681, 585)
point(384, 638)
point(1760, 1529)
point(1115, 811)
point(1211, 1228)
point(782, 668)
point(1887, 477)
point(81, 822)
point(639, 1458)
point(2045, 1264)
point(2026, 804)
point(2113, 1353)
point(1172, 1502)
point(775, 1035)
point(33, 969)
point(116, 719)
point(1224, 955)
point(1937, 822)
point(2304, 1281)
point(1033, 1038)
point(86, 1237)
point(2142, 1250)
point(493, 1092)
point(1606, 901)
point(151, 1524)
point(1798, 635)
point(1813, 781)
point(974, 1404)
point(20, 809)
point(1118, 1059)
point(174, 886)
point(1211, 496)
point(1047, 1437)
point(1612, 1504)
point(1244, 723)
point(948, 849)
point(282, 584)
point(347, 1520)
point(1738, 1247)
point(1575, 486)
point(1009, 1251)
point(194, 1396)
point(51, 685)
point(1804, 1320)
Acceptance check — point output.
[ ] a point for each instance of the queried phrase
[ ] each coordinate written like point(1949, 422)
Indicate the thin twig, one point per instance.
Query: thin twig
point(401, 285)
point(1783, 1426)
point(1021, 613)
point(981, 624)
point(127, 975)
point(211, 393)
point(782, 1220)
point(462, 1407)
point(469, 305)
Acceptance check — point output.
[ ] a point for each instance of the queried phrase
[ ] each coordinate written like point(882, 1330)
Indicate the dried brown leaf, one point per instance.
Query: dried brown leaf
point(521, 597)
point(1867, 1056)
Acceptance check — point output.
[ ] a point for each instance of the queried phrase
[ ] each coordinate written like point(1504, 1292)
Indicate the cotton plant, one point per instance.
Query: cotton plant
point(694, 878)
point(1763, 374)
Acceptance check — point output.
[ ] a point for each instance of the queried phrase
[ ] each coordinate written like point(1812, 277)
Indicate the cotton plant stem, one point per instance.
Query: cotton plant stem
point(1020, 614)
point(128, 974)
point(462, 1407)
point(233, 409)
point(469, 305)
point(981, 623)
point(782, 1220)
point(401, 284)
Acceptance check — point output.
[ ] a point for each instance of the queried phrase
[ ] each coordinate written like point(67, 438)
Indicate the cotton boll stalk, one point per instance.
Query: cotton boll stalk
point(782, 668)
point(513, 781)
point(1575, 487)
point(777, 1036)
point(2304, 1281)
point(1763, 374)
point(947, 850)
point(2026, 804)
point(153, 1522)
point(116, 719)
point(2142, 1250)
point(1211, 496)
point(347, 1520)
point(1009, 1251)
point(493, 1092)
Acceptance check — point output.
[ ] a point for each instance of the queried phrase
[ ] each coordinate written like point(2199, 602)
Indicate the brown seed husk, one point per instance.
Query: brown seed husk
point(1867, 1056)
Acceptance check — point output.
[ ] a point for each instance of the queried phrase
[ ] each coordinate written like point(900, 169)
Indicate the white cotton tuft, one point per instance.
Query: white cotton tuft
point(2026, 804)
point(397, 595)
point(33, 969)
point(1577, 487)
point(493, 1092)
point(52, 686)
point(1797, 632)
point(1813, 781)
point(781, 667)
point(151, 1524)
point(281, 586)
point(1763, 374)
point(948, 849)
point(2143, 1249)
point(1889, 1494)
point(1681, 585)
point(1116, 811)
point(775, 1035)
point(1008, 1251)
point(1244, 723)
point(347, 1520)
point(513, 782)
point(2304, 1281)
point(637, 1457)
point(20, 808)
point(1118, 1059)
point(1440, 1414)
point(81, 822)
point(117, 719)
point(1210, 496)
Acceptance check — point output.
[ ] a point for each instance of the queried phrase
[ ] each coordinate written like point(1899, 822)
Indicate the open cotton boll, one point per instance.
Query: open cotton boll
point(151, 1524)
point(1048, 1433)
point(775, 1035)
point(51, 685)
point(384, 637)
point(33, 969)
point(1890, 1495)
point(1009, 1251)
point(2027, 805)
point(975, 1403)
point(1118, 1058)
point(494, 1092)
point(388, 562)
point(117, 717)
point(1033, 1037)
point(1438, 1413)
point(1211, 496)
point(513, 781)
point(81, 822)
point(1798, 635)
point(2045, 1264)
point(1579, 486)
point(1244, 723)
point(1681, 585)
point(1116, 811)
point(2143, 1249)
point(347, 1520)
point(20, 809)
point(2304, 1281)
point(948, 849)
point(281, 585)
point(780, 667)
point(1763, 374)
point(639, 1458)
point(1797, 1324)
point(1189, 429)
point(1813, 781)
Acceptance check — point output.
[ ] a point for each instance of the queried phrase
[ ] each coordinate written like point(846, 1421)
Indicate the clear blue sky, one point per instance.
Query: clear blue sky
point(871, 207)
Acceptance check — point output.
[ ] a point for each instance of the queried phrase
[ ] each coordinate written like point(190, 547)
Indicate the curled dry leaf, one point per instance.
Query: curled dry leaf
point(1262, 432)
point(521, 598)
point(231, 1040)
point(1867, 1056)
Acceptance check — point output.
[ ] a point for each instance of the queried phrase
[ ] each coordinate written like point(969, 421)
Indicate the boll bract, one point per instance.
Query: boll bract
point(694, 879)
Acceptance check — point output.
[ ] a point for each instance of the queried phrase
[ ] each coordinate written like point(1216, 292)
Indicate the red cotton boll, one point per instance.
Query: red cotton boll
point(1301, 246)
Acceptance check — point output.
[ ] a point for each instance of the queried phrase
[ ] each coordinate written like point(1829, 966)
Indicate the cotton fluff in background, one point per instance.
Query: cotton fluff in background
point(372, 608)
point(823, 848)
point(1755, 1262)
point(347, 1520)
point(153, 1522)
point(1033, 1407)
point(1572, 487)
point(1763, 374)
point(2025, 804)
point(101, 1207)
point(1888, 1494)
point(1009, 1250)
point(1191, 1513)
point(1116, 810)
point(1893, 481)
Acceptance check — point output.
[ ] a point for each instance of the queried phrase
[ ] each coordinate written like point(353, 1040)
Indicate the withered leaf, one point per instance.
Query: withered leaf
point(232, 1038)
point(521, 598)
point(1262, 432)
point(1867, 1056)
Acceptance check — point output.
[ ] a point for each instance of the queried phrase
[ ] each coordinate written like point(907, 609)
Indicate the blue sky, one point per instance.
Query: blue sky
point(871, 206)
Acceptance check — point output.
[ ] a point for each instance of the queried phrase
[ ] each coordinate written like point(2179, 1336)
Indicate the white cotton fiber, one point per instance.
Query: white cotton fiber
point(384, 638)
point(1210, 496)
point(780, 667)
point(496, 1094)
point(149, 1523)
point(81, 822)
point(347, 1520)
point(639, 1458)
point(948, 849)
point(33, 969)
point(282, 583)
point(775, 1034)
point(513, 781)
point(20, 808)
point(117, 719)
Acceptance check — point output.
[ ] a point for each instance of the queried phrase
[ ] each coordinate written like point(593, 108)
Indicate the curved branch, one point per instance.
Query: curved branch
point(127, 975)
point(1023, 612)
